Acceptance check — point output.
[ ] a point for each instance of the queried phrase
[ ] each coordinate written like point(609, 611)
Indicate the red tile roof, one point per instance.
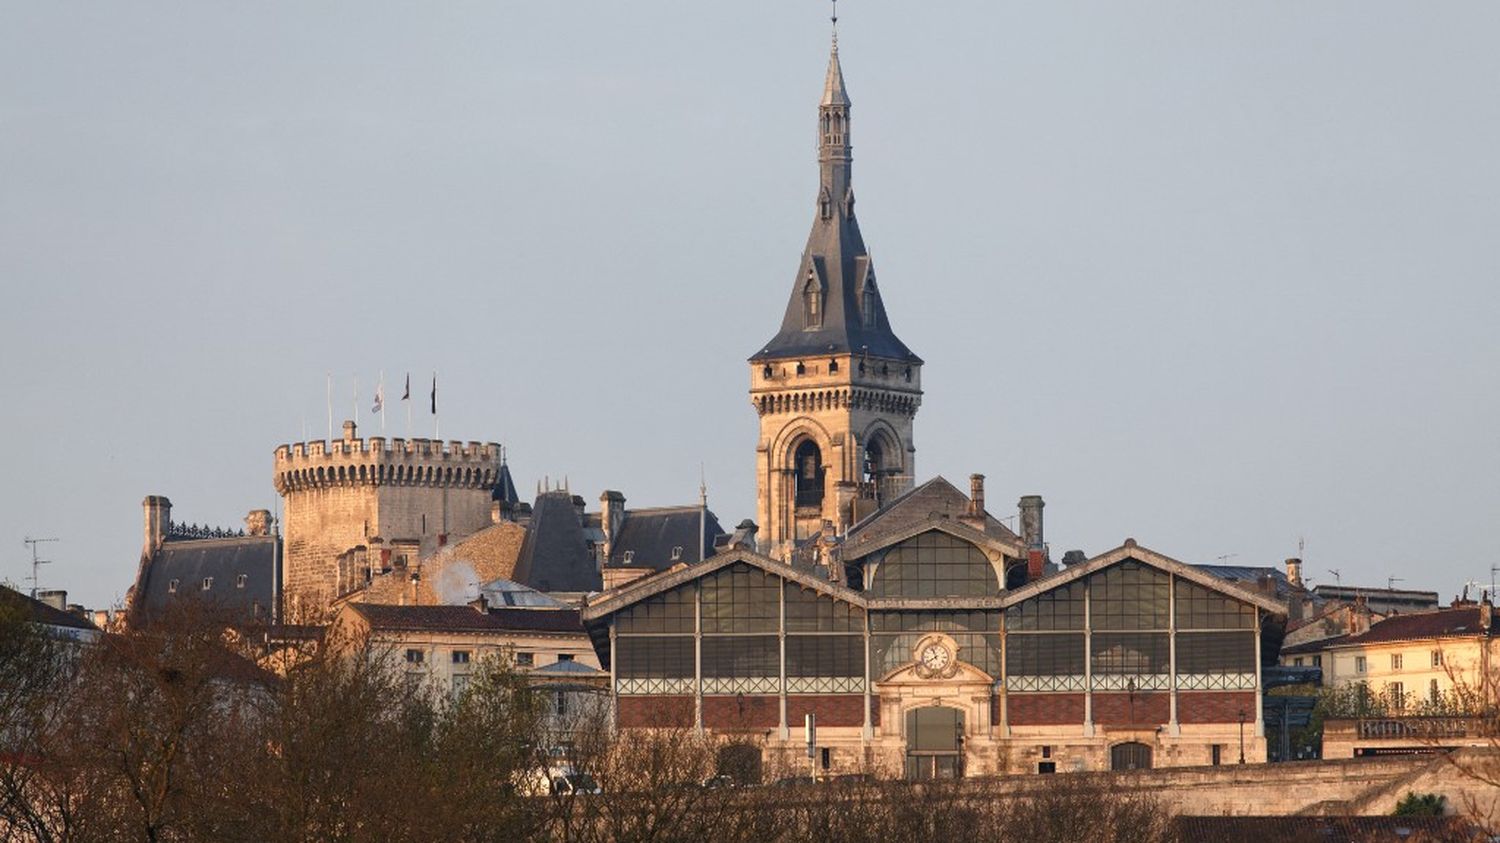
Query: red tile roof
point(1444, 623)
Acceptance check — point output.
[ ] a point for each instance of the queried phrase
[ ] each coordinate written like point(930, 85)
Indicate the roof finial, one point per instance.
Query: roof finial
point(835, 19)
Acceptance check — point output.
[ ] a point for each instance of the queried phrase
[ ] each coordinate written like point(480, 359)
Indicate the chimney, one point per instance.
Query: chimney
point(976, 495)
point(744, 534)
point(158, 520)
point(56, 598)
point(579, 507)
point(1031, 522)
point(1294, 573)
point(611, 517)
point(258, 522)
point(496, 512)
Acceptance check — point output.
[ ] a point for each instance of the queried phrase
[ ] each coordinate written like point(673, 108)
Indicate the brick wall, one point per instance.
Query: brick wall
point(1045, 709)
point(741, 712)
point(655, 711)
point(832, 709)
point(1127, 709)
point(1215, 706)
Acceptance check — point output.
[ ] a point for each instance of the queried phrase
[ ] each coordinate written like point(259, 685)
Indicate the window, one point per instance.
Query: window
point(1215, 652)
point(1199, 608)
point(239, 580)
point(208, 583)
point(1216, 754)
point(650, 657)
point(669, 612)
point(1046, 752)
point(868, 303)
point(1129, 596)
point(676, 553)
point(460, 656)
point(525, 659)
point(1046, 767)
point(741, 598)
point(1317, 661)
point(564, 657)
point(935, 564)
point(1437, 658)
point(172, 586)
point(629, 556)
point(1359, 664)
point(812, 303)
point(1297, 662)
point(415, 656)
point(560, 703)
point(1395, 661)
point(1396, 692)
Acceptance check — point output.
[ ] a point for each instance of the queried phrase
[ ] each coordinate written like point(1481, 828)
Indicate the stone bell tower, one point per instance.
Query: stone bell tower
point(835, 389)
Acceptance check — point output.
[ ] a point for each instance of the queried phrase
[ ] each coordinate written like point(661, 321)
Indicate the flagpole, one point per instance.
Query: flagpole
point(356, 401)
point(330, 406)
point(406, 399)
point(436, 430)
point(380, 391)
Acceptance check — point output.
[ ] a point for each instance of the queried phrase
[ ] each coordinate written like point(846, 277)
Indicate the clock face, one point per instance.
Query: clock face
point(935, 657)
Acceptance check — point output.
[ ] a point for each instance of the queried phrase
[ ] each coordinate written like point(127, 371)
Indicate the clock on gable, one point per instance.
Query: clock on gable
point(936, 657)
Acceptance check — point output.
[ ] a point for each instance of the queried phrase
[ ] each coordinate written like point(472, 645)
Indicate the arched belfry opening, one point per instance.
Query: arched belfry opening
point(807, 462)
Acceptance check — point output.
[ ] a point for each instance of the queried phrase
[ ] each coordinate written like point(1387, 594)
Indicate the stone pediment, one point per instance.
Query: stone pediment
point(963, 674)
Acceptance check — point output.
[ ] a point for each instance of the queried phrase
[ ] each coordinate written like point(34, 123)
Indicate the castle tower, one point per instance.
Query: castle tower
point(835, 389)
point(392, 497)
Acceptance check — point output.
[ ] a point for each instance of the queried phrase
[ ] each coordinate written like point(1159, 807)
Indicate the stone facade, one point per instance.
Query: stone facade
point(377, 493)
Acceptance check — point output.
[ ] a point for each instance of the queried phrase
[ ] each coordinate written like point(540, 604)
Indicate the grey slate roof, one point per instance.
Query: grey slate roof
point(555, 555)
point(40, 613)
point(191, 561)
point(1250, 576)
point(917, 505)
point(504, 490)
point(839, 264)
point(650, 536)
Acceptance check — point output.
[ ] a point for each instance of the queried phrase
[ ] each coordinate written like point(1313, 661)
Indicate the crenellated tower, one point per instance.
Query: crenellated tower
point(394, 497)
point(835, 389)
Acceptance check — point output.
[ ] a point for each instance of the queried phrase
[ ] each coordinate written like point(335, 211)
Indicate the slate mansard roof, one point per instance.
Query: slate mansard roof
point(191, 562)
point(651, 535)
point(555, 555)
point(40, 613)
point(1444, 623)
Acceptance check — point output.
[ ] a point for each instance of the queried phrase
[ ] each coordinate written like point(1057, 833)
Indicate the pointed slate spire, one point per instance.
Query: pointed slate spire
point(835, 306)
point(833, 86)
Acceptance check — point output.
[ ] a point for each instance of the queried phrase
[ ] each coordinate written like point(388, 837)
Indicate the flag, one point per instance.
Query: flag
point(406, 396)
point(379, 399)
point(434, 393)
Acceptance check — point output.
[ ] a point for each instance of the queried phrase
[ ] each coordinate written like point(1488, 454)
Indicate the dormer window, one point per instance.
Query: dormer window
point(676, 553)
point(172, 586)
point(812, 303)
point(801, 368)
point(867, 305)
point(208, 583)
point(833, 366)
point(629, 556)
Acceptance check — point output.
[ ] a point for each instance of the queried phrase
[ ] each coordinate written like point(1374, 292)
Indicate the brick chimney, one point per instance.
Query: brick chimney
point(611, 518)
point(1032, 536)
point(1294, 573)
point(974, 512)
point(258, 522)
point(158, 512)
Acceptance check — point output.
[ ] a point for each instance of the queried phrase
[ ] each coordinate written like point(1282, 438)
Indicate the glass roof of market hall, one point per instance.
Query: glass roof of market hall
point(941, 577)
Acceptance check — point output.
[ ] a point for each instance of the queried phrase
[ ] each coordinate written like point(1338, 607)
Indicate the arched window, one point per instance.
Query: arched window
point(874, 461)
point(812, 302)
point(935, 564)
point(867, 306)
point(1130, 756)
point(808, 464)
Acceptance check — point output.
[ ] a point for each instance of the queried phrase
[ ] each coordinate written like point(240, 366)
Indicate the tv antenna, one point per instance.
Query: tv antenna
point(1390, 582)
point(36, 562)
point(1338, 580)
point(1226, 557)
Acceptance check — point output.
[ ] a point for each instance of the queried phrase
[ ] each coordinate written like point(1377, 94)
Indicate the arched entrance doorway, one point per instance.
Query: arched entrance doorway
point(934, 743)
point(1130, 756)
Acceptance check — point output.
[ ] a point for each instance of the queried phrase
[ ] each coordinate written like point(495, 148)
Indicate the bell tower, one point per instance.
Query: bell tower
point(835, 389)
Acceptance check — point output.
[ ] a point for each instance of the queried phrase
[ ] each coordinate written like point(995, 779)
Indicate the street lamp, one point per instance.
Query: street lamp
point(1242, 735)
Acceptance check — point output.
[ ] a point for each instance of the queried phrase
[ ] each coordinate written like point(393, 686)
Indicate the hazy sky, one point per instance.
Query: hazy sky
point(1213, 275)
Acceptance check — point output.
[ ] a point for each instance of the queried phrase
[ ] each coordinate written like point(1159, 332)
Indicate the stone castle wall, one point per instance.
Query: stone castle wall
point(373, 492)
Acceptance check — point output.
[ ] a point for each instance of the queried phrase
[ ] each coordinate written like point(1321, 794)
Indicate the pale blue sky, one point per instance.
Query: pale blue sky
point(1213, 275)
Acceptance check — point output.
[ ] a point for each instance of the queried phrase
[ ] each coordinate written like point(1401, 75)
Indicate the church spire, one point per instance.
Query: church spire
point(835, 306)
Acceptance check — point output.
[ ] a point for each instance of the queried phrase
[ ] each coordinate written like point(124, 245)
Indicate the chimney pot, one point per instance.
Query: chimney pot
point(1031, 522)
point(1294, 573)
point(976, 495)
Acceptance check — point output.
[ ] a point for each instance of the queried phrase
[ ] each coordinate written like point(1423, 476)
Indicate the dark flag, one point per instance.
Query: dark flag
point(434, 393)
point(406, 396)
